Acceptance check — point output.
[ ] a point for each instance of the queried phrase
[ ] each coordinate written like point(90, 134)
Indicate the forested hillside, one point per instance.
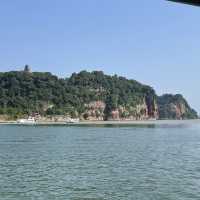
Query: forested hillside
point(93, 96)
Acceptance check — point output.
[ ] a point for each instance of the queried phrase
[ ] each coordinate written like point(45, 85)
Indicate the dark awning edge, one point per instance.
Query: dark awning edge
point(191, 2)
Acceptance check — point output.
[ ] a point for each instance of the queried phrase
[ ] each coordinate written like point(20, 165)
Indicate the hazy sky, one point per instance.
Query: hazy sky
point(153, 41)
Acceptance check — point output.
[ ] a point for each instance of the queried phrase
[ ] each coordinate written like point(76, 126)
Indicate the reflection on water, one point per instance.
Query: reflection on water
point(104, 162)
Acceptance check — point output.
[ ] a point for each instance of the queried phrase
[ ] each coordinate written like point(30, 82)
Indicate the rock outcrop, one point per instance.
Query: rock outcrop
point(95, 110)
point(175, 107)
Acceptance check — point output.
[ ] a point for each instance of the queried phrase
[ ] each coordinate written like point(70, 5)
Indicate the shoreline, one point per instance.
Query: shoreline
point(142, 122)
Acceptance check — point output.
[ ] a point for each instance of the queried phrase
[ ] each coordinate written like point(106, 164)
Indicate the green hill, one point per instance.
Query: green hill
point(87, 95)
point(175, 107)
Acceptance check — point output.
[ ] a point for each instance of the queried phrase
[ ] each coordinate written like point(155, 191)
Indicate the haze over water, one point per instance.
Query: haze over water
point(96, 163)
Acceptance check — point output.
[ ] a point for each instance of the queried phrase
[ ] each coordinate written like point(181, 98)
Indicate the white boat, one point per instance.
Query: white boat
point(30, 120)
point(70, 120)
point(152, 119)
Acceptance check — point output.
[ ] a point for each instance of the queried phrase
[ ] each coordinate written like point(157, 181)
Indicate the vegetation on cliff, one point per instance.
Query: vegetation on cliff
point(87, 95)
point(175, 107)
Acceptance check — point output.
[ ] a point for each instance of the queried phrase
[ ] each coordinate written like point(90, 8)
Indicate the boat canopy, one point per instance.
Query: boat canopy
point(191, 2)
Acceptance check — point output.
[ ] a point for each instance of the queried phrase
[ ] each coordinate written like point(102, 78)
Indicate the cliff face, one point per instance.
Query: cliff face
point(96, 110)
point(163, 107)
point(175, 107)
point(141, 111)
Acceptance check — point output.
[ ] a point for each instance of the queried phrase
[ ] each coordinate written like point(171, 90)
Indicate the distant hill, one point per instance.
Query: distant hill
point(175, 107)
point(87, 95)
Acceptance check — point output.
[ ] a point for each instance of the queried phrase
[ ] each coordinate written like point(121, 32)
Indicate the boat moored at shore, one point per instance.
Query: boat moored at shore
point(71, 120)
point(29, 120)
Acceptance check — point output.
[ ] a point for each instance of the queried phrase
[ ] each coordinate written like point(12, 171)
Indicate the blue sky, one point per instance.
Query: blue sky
point(153, 41)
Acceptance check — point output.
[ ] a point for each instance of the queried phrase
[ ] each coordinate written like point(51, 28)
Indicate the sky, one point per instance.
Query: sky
point(153, 41)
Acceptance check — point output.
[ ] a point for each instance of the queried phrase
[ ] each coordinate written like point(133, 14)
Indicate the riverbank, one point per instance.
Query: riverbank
point(144, 122)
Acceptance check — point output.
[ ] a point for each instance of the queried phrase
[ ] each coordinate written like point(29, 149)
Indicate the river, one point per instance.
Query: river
point(96, 163)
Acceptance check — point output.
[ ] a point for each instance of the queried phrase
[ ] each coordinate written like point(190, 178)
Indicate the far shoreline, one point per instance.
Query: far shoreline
point(139, 122)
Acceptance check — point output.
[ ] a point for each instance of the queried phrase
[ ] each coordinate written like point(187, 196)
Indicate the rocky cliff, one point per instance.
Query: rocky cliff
point(175, 107)
point(97, 111)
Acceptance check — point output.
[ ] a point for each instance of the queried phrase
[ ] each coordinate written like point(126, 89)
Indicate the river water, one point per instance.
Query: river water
point(96, 163)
